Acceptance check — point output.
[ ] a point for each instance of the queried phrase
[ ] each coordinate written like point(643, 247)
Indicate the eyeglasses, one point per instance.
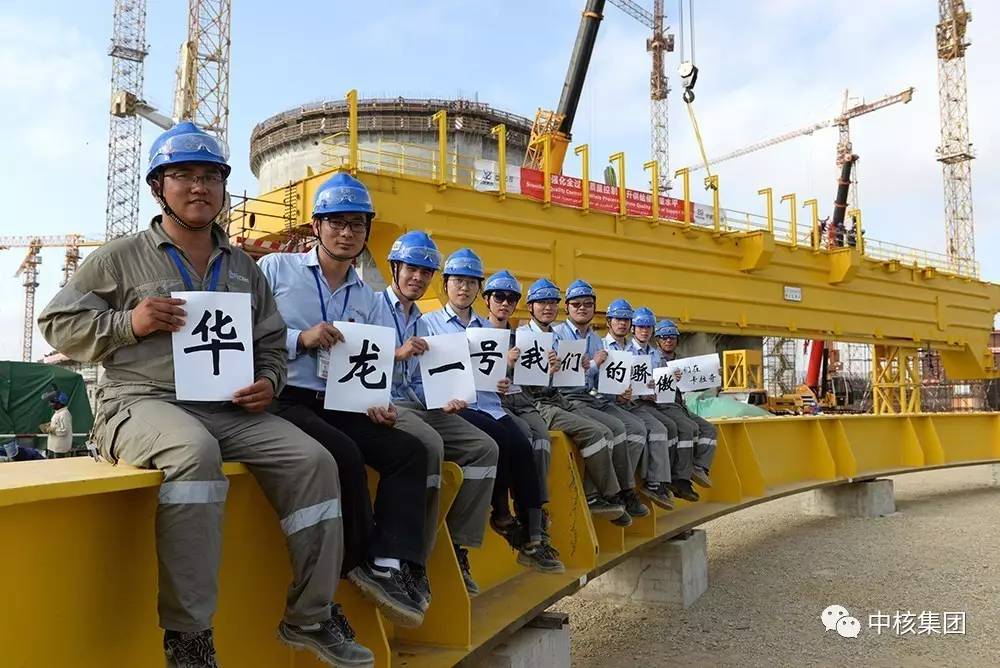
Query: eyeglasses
point(338, 225)
point(464, 281)
point(581, 305)
point(548, 303)
point(189, 179)
point(505, 297)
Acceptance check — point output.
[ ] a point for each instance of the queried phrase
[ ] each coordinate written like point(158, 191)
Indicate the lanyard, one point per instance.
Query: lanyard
point(395, 321)
point(322, 302)
point(213, 281)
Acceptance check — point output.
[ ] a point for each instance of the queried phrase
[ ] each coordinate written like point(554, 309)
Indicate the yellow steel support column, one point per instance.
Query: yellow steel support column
point(352, 131)
point(814, 237)
point(654, 167)
point(620, 159)
point(768, 194)
point(741, 370)
point(859, 231)
point(895, 380)
point(547, 170)
point(685, 176)
point(712, 182)
point(441, 178)
point(583, 150)
point(790, 198)
point(500, 132)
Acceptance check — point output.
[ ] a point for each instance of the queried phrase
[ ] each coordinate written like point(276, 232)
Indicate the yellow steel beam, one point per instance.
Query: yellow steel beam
point(731, 283)
point(101, 518)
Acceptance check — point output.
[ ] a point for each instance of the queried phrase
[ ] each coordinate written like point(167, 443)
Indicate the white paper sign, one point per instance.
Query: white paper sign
point(642, 375)
point(488, 349)
point(359, 374)
point(615, 375)
point(570, 372)
point(532, 367)
point(446, 370)
point(698, 373)
point(663, 377)
point(213, 352)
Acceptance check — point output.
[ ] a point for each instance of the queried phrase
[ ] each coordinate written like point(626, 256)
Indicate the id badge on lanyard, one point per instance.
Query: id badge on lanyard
point(322, 354)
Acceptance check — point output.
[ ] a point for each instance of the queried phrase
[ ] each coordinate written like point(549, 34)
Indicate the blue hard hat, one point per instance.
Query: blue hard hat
point(643, 317)
point(619, 309)
point(186, 142)
point(416, 248)
point(666, 328)
point(464, 262)
point(580, 288)
point(342, 193)
point(543, 290)
point(502, 280)
point(56, 396)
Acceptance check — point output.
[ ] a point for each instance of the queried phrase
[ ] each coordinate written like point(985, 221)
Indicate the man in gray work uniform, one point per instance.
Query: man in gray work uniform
point(117, 309)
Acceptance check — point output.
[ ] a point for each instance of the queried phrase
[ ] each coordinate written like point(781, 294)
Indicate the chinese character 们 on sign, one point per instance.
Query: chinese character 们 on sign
point(213, 352)
point(359, 375)
point(642, 375)
point(615, 375)
point(446, 370)
point(570, 372)
point(488, 350)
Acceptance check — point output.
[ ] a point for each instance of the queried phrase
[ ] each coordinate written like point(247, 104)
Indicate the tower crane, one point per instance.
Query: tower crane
point(657, 45)
point(29, 270)
point(842, 122)
point(955, 152)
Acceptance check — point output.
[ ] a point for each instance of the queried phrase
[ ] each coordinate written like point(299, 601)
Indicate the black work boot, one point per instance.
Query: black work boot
point(389, 589)
point(332, 641)
point(541, 556)
point(659, 493)
point(463, 562)
point(683, 490)
point(194, 649)
point(420, 585)
point(598, 505)
point(633, 506)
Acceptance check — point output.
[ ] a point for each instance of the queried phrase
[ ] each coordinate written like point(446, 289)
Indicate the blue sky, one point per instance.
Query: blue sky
point(766, 67)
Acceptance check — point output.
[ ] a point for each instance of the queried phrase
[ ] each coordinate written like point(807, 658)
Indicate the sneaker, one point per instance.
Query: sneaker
point(388, 588)
point(682, 489)
point(623, 520)
point(189, 650)
point(601, 506)
point(541, 556)
point(511, 530)
point(463, 562)
point(420, 585)
point(331, 640)
point(700, 476)
point(659, 493)
point(633, 506)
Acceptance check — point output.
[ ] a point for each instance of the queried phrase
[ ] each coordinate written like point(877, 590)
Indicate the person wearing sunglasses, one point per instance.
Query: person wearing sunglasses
point(703, 432)
point(313, 290)
point(117, 309)
point(517, 475)
point(595, 440)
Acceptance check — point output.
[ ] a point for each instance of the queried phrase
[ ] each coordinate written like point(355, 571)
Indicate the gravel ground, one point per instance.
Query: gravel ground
point(773, 569)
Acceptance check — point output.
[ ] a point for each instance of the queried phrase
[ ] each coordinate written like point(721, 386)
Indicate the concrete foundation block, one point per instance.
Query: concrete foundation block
point(869, 498)
point(995, 473)
point(537, 644)
point(673, 573)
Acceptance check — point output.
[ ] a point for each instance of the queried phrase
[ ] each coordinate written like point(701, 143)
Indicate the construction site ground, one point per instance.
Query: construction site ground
point(773, 569)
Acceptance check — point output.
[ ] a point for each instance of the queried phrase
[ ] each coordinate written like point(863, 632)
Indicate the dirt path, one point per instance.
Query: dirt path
point(772, 571)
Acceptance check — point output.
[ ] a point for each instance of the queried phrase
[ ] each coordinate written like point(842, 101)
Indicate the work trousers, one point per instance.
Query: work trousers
point(630, 433)
point(447, 437)
point(704, 435)
point(396, 529)
point(594, 439)
point(656, 464)
point(687, 436)
point(517, 476)
point(526, 416)
point(188, 442)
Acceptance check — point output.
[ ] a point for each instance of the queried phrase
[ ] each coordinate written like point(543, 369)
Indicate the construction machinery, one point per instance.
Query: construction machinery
point(29, 270)
point(955, 152)
point(201, 95)
point(658, 45)
point(551, 131)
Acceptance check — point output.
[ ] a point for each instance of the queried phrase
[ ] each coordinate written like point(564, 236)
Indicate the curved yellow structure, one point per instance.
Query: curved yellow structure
point(80, 586)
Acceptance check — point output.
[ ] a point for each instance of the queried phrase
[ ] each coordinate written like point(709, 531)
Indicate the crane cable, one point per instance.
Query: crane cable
point(689, 88)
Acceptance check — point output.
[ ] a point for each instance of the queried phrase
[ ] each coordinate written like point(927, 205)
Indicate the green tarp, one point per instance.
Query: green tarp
point(22, 409)
point(701, 403)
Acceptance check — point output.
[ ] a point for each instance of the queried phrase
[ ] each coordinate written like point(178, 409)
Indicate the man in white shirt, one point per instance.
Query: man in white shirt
point(60, 427)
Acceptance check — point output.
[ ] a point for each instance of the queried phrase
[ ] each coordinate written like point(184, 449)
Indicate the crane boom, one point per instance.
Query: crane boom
point(841, 120)
point(636, 12)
